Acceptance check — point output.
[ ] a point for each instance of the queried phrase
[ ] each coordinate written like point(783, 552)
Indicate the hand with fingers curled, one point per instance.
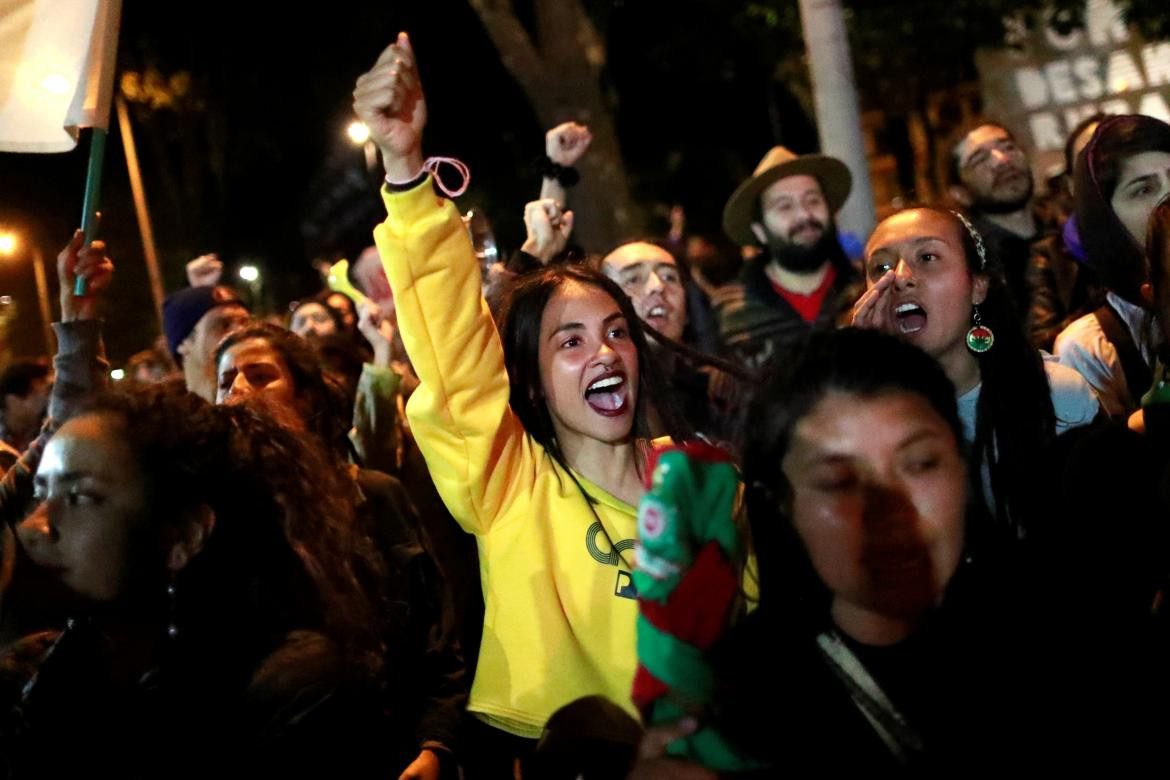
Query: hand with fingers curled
point(874, 309)
point(549, 227)
point(204, 270)
point(389, 100)
point(378, 329)
point(90, 263)
point(567, 143)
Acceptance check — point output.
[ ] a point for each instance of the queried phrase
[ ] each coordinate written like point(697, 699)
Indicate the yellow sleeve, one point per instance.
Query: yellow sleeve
point(475, 447)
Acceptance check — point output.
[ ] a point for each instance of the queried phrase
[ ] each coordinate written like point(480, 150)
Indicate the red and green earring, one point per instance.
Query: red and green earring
point(979, 338)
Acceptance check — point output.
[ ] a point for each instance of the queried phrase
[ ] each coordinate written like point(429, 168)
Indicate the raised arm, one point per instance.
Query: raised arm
point(475, 447)
point(564, 145)
point(80, 362)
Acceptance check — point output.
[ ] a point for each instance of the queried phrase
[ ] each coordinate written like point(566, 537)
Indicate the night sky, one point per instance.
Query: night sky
point(252, 161)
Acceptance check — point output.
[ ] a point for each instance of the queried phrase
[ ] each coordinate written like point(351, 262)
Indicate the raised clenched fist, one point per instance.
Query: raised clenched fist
point(389, 100)
point(567, 143)
point(549, 228)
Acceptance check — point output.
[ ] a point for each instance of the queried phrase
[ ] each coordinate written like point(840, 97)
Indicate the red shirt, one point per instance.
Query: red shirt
point(808, 306)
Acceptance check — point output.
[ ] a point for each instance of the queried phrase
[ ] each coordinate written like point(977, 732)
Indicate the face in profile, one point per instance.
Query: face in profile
point(588, 364)
point(878, 493)
point(650, 276)
point(92, 509)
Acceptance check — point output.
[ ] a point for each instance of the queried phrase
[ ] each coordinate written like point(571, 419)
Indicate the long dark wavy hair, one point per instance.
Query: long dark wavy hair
point(285, 552)
point(323, 402)
point(520, 332)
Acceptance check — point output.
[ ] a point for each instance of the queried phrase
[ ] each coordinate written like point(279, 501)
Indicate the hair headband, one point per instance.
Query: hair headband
point(980, 248)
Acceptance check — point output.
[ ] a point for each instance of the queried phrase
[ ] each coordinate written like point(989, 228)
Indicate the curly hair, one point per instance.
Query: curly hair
point(324, 403)
point(285, 552)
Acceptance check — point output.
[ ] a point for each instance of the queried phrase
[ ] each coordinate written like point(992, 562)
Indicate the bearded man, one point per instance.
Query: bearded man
point(800, 279)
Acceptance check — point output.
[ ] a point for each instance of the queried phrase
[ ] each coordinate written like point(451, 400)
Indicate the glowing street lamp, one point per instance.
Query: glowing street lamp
point(8, 245)
point(358, 133)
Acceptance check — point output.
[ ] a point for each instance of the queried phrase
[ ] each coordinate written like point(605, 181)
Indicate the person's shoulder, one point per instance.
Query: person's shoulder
point(302, 659)
point(1087, 325)
point(1073, 397)
point(1064, 377)
point(1082, 336)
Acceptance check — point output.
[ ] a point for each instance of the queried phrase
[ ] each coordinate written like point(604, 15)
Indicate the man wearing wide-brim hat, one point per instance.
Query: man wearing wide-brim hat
point(802, 278)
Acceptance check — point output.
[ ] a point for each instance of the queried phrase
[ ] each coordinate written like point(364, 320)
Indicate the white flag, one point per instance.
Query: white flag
point(56, 71)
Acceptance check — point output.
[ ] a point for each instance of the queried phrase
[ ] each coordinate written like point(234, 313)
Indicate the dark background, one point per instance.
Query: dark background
point(241, 137)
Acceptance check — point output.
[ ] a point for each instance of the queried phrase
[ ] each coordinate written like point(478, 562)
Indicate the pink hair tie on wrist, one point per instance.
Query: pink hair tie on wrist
point(432, 166)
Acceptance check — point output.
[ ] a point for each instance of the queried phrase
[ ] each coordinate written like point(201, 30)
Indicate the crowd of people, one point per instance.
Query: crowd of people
point(396, 532)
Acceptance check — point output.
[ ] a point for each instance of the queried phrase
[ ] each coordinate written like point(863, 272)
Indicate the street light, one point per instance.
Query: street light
point(8, 244)
point(358, 133)
point(249, 273)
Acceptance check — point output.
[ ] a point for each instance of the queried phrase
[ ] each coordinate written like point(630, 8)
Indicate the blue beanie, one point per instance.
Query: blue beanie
point(183, 310)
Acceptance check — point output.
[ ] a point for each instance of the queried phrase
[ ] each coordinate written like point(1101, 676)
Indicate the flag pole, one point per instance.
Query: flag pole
point(93, 187)
point(150, 253)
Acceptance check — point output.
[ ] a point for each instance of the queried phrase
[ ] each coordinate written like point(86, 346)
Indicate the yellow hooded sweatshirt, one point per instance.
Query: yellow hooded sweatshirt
point(559, 603)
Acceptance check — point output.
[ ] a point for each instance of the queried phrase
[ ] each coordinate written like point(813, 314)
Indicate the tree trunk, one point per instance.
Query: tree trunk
point(560, 72)
point(838, 108)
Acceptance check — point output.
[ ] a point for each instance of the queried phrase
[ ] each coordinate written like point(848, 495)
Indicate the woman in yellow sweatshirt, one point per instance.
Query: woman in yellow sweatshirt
point(545, 469)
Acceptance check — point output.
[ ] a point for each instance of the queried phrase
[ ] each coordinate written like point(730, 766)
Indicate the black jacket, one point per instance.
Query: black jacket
point(757, 325)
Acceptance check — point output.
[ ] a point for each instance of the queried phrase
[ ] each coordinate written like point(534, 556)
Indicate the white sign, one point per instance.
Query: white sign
point(1048, 82)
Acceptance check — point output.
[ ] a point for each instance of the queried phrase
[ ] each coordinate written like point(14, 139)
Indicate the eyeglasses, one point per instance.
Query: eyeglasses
point(986, 158)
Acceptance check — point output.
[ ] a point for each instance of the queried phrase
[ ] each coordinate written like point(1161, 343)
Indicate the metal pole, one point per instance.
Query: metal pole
point(837, 106)
point(144, 225)
point(38, 261)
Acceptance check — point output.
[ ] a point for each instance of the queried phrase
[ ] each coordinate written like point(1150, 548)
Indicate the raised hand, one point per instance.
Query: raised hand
point(94, 265)
point(389, 100)
point(567, 143)
point(377, 329)
point(549, 227)
point(874, 308)
point(204, 270)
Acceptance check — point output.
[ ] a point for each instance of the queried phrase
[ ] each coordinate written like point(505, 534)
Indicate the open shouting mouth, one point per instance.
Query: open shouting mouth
point(657, 316)
point(909, 317)
point(609, 394)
